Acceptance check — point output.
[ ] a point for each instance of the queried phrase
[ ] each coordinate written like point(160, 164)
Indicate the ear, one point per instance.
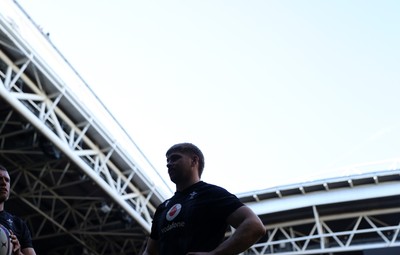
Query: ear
point(195, 160)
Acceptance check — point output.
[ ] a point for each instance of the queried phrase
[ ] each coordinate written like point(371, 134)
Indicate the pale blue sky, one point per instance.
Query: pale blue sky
point(273, 92)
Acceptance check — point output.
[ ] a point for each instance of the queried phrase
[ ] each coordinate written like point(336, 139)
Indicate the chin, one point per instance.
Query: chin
point(173, 179)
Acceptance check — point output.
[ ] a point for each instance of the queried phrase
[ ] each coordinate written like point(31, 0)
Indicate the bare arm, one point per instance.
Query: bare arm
point(249, 229)
point(151, 247)
point(28, 251)
point(17, 247)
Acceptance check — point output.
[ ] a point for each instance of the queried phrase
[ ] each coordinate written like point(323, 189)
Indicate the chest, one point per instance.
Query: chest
point(188, 207)
point(194, 210)
point(8, 222)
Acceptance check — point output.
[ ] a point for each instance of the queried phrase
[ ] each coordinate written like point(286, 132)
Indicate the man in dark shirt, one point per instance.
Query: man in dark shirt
point(195, 219)
point(20, 234)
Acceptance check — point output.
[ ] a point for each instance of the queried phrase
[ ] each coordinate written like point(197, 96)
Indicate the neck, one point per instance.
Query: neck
point(183, 186)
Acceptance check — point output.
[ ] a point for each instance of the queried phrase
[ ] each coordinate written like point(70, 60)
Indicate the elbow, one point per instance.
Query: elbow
point(263, 231)
point(260, 230)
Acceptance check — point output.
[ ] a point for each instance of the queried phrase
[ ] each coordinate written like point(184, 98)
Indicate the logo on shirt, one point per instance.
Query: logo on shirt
point(192, 195)
point(173, 212)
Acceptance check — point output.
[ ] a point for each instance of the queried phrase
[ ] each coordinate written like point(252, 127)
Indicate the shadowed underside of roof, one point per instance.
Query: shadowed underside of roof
point(82, 192)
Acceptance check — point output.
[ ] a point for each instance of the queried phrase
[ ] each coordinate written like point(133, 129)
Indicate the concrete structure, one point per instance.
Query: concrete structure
point(84, 187)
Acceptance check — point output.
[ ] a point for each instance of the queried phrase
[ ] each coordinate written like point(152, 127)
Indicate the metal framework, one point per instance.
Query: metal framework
point(81, 188)
point(364, 230)
point(85, 190)
point(330, 216)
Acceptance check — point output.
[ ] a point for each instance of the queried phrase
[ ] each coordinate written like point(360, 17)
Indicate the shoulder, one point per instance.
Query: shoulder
point(5, 214)
point(218, 194)
point(10, 220)
point(9, 217)
point(214, 188)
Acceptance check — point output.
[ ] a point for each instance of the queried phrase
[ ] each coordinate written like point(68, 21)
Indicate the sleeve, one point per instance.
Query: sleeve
point(226, 202)
point(23, 233)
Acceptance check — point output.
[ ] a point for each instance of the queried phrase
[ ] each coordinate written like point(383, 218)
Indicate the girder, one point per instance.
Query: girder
point(84, 192)
point(329, 216)
point(78, 187)
point(356, 231)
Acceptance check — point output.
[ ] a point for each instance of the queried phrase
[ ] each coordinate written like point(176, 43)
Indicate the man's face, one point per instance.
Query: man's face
point(179, 167)
point(4, 186)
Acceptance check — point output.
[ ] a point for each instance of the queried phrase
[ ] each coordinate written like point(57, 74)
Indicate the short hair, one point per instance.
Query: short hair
point(3, 168)
point(189, 148)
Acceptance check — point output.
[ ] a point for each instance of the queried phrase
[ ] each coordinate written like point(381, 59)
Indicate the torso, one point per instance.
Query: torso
point(194, 219)
point(18, 227)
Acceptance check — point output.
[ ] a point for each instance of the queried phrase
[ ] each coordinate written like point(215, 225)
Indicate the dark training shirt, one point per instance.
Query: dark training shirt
point(193, 220)
point(18, 227)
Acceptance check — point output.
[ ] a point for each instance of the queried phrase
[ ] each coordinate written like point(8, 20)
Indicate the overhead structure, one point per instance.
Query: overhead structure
point(352, 215)
point(80, 188)
point(84, 187)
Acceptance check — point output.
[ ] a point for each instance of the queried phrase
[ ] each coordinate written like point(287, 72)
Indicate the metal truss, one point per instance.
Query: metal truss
point(63, 215)
point(79, 181)
point(83, 192)
point(347, 214)
point(362, 230)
